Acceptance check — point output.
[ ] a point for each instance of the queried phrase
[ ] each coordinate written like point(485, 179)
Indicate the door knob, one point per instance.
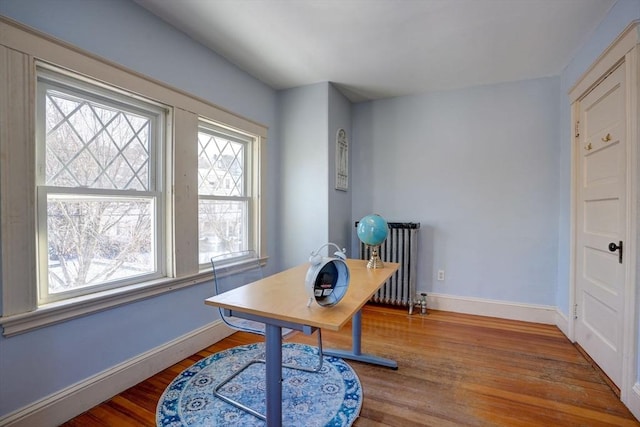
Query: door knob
point(613, 247)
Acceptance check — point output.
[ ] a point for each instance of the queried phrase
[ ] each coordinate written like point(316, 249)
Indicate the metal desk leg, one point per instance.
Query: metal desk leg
point(356, 347)
point(273, 370)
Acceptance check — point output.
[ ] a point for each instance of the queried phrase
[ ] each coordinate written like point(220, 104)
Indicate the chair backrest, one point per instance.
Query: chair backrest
point(231, 271)
point(235, 269)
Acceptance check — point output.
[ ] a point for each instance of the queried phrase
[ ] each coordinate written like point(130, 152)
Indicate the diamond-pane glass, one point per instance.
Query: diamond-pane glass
point(222, 228)
point(95, 146)
point(220, 166)
point(92, 241)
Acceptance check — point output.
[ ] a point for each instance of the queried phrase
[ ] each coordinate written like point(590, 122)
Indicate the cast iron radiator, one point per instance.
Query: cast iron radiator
point(401, 246)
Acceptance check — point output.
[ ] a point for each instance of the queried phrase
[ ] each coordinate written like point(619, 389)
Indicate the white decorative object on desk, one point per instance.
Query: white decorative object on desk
point(327, 278)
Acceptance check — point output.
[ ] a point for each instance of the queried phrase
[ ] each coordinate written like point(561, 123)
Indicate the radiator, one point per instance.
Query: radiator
point(401, 246)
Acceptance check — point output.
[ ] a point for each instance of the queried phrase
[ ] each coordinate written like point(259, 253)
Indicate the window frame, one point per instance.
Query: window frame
point(250, 182)
point(48, 77)
point(20, 49)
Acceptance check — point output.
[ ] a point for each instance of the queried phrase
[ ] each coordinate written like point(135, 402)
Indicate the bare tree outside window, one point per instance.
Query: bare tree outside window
point(93, 241)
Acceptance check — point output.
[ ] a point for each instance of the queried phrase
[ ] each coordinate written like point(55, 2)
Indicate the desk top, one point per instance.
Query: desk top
point(283, 296)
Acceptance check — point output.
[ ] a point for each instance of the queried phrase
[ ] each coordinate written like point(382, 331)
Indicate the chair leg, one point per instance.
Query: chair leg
point(235, 402)
point(316, 369)
point(251, 362)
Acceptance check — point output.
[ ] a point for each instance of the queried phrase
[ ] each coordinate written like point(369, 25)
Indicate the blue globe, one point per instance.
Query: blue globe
point(372, 230)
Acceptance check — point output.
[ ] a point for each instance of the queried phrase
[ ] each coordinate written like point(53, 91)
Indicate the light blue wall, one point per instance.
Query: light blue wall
point(36, 364)
point(303, 189)
point(340, 226)
point(478, 168)
point(621, 14)
point(312, 211)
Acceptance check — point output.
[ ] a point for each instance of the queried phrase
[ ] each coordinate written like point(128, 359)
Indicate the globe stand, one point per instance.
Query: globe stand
point(375, 261)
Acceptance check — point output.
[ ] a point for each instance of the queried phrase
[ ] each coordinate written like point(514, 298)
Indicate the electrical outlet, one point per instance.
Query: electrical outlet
point(440, 274)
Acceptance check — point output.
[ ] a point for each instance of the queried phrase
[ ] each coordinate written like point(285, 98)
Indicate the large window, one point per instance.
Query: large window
point(99, 187)
point(224, 191)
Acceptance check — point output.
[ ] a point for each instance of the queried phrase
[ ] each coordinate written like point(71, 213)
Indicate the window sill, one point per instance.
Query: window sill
point(57, 312)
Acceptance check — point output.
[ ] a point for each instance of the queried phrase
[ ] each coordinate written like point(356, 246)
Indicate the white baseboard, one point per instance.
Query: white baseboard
point(632, 400)
point(492, 308)
point(562, 322)
point(78, 398)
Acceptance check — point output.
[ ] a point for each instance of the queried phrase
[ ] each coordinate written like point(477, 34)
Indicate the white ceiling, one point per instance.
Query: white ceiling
point(382, 48)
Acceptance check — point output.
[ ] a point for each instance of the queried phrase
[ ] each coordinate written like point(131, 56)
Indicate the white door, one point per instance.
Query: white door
point(601, 223)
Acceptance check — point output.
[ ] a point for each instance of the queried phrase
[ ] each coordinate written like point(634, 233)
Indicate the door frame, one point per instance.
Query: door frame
point(622, 52)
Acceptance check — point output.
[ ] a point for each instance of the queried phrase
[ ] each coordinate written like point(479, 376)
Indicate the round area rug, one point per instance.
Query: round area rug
point(331, 397)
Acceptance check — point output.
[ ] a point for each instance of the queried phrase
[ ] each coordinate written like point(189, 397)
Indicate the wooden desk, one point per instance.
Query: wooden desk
point(281, 301)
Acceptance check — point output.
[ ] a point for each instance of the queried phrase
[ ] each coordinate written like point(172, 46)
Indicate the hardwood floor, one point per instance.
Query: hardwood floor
point(454, 370)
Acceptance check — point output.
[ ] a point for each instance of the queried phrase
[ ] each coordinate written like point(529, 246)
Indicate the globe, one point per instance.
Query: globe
point(372, 230)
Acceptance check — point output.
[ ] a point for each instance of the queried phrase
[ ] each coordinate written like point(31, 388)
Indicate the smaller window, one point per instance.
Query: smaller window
point(226, 219)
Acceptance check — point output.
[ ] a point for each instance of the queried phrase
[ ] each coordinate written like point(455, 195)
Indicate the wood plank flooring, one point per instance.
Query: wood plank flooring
point(454, 370)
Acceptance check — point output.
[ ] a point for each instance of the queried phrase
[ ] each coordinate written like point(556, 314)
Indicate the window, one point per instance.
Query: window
point(225, 191)
point(99, 187)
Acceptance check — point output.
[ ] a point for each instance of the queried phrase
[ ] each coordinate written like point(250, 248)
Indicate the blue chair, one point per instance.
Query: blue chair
point(230, 271)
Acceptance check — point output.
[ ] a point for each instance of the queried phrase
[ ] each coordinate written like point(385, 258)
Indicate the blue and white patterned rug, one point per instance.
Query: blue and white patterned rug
point(332, 397)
